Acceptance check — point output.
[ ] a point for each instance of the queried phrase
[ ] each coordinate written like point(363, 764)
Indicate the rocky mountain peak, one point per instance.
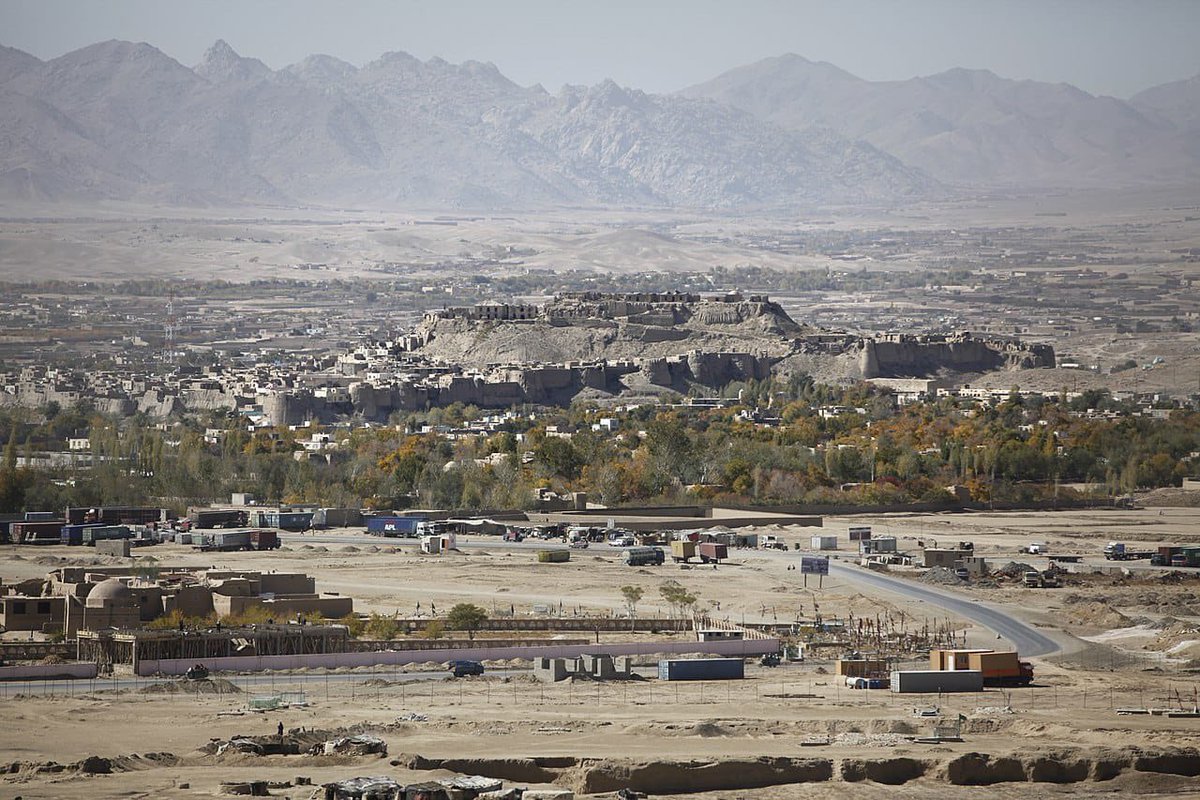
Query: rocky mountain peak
point(222, 63)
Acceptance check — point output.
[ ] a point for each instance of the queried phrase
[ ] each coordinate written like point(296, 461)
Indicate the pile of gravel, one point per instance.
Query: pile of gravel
point(942, 577)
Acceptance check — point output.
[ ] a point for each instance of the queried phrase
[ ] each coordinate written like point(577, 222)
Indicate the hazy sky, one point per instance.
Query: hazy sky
point(1115, 47)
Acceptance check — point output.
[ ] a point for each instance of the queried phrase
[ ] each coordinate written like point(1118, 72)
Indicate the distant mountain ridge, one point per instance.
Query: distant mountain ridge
point(972, 127)
point(123, 121)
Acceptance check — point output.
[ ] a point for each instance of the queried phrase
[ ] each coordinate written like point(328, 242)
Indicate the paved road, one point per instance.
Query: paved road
point(1027, 640)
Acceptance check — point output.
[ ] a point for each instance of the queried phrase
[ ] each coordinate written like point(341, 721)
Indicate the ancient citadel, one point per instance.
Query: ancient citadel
point(583, 344)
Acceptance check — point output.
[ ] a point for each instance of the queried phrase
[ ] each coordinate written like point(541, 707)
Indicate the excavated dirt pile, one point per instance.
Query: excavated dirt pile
point(890, 771)
point(597, 776)
point(676, 777)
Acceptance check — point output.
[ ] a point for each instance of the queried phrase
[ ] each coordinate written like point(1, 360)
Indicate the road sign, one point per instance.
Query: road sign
point(814, 565)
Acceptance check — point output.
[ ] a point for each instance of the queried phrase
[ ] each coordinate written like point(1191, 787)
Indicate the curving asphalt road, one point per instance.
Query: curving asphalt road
point(1027, 640)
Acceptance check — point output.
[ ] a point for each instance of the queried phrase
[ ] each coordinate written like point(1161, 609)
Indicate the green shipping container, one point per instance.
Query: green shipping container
point(554, 556)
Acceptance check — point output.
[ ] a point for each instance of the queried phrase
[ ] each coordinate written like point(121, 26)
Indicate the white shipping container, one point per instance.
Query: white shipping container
point(928, 681)
point(824, 543)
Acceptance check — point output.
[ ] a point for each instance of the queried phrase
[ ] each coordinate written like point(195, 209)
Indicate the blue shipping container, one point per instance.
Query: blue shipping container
point(701, 669)
point(393, 526)
point(73, 534)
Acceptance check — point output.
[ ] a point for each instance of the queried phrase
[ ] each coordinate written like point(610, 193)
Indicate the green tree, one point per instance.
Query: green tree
point(559, 456)
point(466, 617)
point(677, 596)
point(631, 595)
point(381, 627)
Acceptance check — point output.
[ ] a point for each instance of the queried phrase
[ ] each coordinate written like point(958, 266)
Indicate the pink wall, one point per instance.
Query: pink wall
point(48, 672)
point(177, 666)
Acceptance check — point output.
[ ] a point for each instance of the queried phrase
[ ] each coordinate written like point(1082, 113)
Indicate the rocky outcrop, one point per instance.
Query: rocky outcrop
point(920, 356)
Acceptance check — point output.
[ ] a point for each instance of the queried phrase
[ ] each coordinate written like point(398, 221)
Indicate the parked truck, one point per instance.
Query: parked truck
point(1119, 551)
point(223, 540)
point(1001, 669)
point(1046, 579)
point(712, 552)
point(643, 556)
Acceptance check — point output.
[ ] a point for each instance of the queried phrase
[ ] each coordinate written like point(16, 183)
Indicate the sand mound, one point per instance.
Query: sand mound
point(206, 686)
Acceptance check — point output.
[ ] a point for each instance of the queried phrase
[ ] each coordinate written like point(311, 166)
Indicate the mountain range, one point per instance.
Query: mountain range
point(123, 121)
point(972, 127)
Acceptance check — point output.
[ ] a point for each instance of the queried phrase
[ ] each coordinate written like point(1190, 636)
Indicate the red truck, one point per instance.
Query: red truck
point(712, 552)
point(1002, 669)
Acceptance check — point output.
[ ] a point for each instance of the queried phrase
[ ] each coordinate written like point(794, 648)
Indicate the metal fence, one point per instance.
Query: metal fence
point(765, 693)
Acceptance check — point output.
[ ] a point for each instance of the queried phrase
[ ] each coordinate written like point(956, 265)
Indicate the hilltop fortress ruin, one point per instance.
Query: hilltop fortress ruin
point(578, 345)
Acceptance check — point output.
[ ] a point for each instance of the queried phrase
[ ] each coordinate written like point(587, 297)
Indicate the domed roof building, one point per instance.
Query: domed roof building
point(111, 593)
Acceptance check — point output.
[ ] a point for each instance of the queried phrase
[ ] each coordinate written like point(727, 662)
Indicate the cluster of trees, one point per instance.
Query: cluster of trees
point(1017, 450)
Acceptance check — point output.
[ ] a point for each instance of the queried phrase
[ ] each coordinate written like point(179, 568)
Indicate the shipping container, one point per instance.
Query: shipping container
point(223, 540)
point(40, 516)
point(701, 669)
point(288, 520)
point(73, 534)
point(264, 540)
point(711, 551)
point(208, 519)
point(554, 556)
point(43, 532)
point(100, 533)
point(336, 518)
point(682, 551)
point(824, 543)
point(923, 681)
point(116, 515)
point(393, 526)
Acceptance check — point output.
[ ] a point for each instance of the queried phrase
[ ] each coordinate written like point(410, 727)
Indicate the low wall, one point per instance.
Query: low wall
point(35, 651)
point(588, 624)
point(379, 646)
point(177, 666)
point(47, 672)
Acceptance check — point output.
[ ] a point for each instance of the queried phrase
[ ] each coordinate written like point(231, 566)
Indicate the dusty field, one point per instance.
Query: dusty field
point(793, 712)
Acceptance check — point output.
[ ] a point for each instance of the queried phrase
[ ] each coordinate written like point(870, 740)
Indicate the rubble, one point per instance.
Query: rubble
point(360, 744)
